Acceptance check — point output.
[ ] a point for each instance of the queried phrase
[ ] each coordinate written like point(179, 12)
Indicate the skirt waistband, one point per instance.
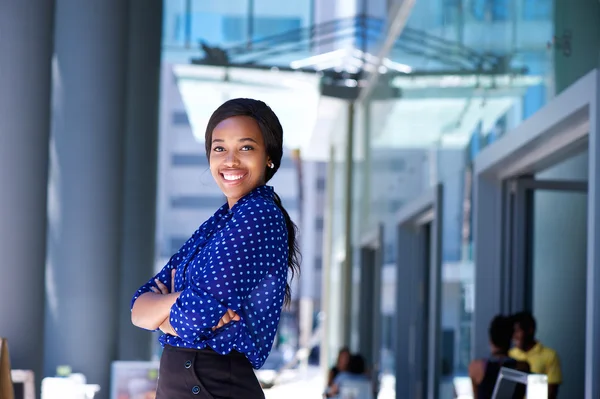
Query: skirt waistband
point(207, 351)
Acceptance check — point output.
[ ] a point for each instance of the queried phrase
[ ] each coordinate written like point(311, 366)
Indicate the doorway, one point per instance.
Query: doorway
point(545, 267)
point(369, 302)
point(418, 297)
point(535, 235)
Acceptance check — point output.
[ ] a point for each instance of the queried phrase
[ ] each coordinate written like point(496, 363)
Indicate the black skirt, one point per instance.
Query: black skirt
point(205, 374)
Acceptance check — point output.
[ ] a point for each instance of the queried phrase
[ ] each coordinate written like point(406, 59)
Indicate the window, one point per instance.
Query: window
point(319, 223)
point(235, 28)
point(536, 10)
point(494, 10)
point(395, 205)
point(188, 160)
point(268, 26)
point(197, 202)
point(398, 164)
point(180, 118)
point(318, 262)
point(321, 184)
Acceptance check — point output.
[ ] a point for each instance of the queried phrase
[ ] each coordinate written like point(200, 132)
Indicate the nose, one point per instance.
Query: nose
point(231, 159)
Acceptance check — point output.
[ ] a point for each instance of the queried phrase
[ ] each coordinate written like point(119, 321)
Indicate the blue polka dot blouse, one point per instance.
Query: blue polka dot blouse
point(236, 260)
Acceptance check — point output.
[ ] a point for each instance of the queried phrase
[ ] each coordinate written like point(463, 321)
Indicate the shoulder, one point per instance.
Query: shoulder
point(517, 354)
point(477, 369)
point(549, 353)
point(259, 209)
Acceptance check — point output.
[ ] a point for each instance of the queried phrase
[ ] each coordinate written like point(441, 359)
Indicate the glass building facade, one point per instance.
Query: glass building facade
point(461, 142)
point(403, 98)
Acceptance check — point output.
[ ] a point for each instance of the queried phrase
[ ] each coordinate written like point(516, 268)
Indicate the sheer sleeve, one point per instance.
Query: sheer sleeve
point(244, 268)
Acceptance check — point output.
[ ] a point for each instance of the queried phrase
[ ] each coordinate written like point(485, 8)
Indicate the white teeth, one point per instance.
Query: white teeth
point(232, 177)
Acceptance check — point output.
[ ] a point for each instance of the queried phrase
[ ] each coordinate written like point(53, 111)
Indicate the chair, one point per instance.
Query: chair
point(513, 384)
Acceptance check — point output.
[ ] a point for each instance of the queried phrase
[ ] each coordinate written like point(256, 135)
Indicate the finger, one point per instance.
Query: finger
point(233, 315)
point(155, 290)
point(163, 288)
point(225, 319)
point(173, 280)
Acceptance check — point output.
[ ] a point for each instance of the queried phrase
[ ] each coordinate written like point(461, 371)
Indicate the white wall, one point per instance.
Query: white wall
point(559, 269)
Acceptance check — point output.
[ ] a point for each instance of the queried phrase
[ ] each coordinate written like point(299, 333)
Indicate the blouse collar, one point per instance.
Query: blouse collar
point(260, 191)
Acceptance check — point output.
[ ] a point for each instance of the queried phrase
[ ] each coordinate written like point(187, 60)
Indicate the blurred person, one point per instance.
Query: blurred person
point(219, 298)
point(541, 359)
point(484, 372)
point(341, 365)
point(356, 372)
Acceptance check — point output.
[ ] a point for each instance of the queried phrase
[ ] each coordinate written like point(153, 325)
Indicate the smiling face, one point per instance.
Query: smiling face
point(238, 157)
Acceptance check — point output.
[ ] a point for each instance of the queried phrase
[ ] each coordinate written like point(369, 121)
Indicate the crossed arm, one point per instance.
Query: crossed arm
point(151, 310)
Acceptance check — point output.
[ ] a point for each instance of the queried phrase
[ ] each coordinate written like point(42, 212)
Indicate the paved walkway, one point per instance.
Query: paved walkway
point(306, 384)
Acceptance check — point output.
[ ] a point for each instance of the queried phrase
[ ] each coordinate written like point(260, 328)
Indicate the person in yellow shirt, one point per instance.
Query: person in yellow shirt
point(541, 359)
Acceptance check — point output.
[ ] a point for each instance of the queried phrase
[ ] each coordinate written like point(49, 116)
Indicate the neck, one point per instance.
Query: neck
point(231, 202)
point(499, 353)
point(529, 345)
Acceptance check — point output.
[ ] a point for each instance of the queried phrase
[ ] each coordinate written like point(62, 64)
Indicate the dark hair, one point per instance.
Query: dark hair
point(501, 332)
point(525, 320)
point(272, 133)
point(344, 349)
point(356, 365)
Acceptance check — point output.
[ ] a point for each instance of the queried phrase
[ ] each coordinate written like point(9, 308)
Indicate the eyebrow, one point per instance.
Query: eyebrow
point(240, 140)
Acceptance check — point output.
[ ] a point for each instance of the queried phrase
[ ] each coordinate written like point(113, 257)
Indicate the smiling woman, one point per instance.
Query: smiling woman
point(219, 298)
point(238, 157)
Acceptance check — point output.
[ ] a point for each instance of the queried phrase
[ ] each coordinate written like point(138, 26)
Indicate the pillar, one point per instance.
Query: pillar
point(141, 161)
point(84, 233)
point(577, 40)
point(25, 82)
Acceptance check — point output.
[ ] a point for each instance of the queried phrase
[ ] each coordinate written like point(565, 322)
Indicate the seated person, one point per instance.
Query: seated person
point(484, 372)
point(341, 365)
point(540, 358)
point(355, 376)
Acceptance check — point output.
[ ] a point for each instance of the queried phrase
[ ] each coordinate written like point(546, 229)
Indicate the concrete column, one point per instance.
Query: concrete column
point(84, 234)
point(141, 156)
point(348, 265)
point(308, 245)
point(577, 40)
point(25, 82)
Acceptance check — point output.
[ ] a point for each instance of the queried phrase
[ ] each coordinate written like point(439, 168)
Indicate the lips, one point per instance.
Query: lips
point(233, 176)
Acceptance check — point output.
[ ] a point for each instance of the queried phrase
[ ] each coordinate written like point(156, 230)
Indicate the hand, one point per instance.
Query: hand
point(334, 390)
point(229, 316)
point(167, 328)
point(162, 289)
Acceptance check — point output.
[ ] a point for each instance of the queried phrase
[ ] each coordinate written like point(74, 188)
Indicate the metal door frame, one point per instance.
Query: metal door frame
point(565, 126)
point(370, 326)
point(518, 236)
point(413, 266)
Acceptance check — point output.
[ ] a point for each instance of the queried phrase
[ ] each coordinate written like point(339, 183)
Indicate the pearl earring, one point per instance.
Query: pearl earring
point(271, 165)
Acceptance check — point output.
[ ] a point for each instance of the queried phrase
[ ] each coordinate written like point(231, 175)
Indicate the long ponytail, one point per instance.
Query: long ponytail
point(294, 256)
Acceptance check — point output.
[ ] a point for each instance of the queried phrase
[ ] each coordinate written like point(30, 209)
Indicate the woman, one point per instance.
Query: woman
point(341, 365)
point(228, 282)
point(354, 375)
point(484, 372)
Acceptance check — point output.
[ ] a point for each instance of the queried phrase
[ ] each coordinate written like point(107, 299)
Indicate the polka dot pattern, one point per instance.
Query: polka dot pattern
point(236, 260)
